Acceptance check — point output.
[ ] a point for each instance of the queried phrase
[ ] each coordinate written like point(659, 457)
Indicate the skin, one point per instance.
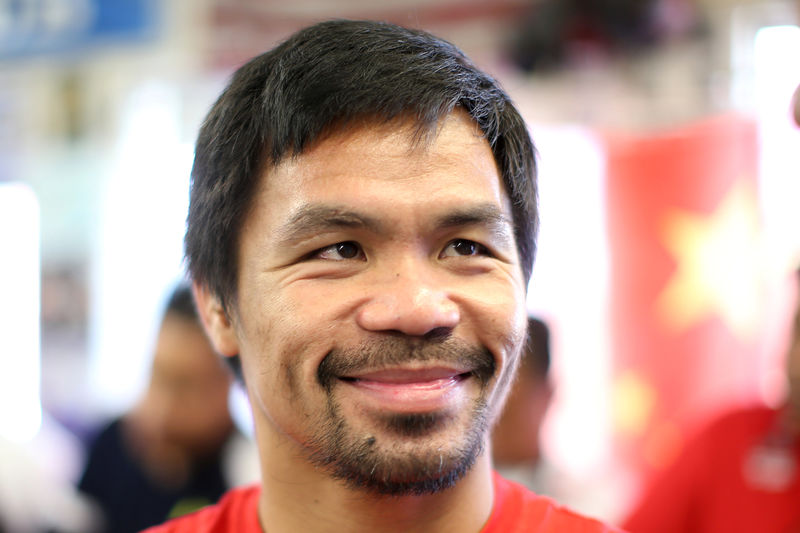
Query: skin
point(412, 278)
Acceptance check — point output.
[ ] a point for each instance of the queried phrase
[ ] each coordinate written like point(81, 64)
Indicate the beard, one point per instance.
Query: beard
point(406, 461)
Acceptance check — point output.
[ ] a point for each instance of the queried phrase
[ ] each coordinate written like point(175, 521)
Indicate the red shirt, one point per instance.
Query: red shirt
point(738, 476)
point(516, 510)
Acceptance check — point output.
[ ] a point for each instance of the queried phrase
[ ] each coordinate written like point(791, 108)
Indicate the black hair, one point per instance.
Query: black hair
point(536, 356)
point(322, 79)
point(181, 303)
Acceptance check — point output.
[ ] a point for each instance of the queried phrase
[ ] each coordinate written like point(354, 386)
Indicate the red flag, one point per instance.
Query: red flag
point(684, 288)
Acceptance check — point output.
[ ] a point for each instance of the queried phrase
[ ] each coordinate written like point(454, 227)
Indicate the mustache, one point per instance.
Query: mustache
point(394, 351)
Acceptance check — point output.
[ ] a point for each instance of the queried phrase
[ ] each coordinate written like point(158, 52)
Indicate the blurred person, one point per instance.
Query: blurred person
point(739, 474)
point(516, 446)
point(166, 456)
point(516, 439)
point(361, 232)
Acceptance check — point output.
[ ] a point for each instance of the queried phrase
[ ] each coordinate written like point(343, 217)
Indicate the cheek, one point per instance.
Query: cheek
point(504, 329)
point(504, 335)
point(282, 342)
point(509, 334)
point(497, 305)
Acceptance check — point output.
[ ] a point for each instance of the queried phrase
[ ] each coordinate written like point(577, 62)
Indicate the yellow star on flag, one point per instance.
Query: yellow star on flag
point(718, 264)
point(633, 401)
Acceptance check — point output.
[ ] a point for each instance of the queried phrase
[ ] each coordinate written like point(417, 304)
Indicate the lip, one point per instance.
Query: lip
point(401, 376)
point(403, 390)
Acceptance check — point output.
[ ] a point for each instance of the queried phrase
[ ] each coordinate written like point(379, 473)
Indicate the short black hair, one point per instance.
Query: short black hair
point(536, 355)
point(181, 303)
point(323, 79)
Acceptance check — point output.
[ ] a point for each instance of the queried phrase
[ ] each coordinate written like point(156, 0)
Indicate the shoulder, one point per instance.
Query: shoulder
point(237, 512)
point(108, 432)
point(517, 509)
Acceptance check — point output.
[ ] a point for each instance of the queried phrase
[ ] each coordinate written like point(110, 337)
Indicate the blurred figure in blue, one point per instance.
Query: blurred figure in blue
point(165, 457)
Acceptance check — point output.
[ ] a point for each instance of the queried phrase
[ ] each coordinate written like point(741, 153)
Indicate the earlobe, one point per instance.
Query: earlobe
point(216, 322)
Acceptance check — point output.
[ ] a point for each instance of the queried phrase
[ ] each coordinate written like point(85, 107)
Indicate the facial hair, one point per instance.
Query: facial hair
point(364, 462)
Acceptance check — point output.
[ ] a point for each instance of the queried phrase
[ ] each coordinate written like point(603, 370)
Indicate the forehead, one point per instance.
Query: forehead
point(182, 346)
point(394, 156)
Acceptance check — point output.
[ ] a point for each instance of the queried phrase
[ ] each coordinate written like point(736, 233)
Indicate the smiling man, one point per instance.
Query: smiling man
point(361, 232)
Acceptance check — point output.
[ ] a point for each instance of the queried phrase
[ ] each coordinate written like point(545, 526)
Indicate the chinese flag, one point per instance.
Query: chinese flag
point(684, 288)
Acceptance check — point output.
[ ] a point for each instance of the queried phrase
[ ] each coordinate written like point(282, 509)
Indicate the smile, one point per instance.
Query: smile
point(408, 391)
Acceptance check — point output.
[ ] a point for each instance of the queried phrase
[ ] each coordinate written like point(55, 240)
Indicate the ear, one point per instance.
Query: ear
point(215, 321)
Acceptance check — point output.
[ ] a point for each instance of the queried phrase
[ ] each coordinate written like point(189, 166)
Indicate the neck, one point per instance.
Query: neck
point(296, 496)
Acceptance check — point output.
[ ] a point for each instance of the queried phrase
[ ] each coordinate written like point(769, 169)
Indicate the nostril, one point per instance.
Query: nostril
point(440, 333)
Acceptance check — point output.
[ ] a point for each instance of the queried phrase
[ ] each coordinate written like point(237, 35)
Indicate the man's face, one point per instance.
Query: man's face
point(380, 306)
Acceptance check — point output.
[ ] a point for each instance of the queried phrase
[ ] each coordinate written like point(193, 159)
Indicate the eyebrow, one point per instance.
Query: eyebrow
point(312, 219)
point(483, 214)
point(487, 215)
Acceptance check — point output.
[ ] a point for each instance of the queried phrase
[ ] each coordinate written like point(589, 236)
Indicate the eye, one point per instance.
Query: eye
point(340, 251)
point(464, 247)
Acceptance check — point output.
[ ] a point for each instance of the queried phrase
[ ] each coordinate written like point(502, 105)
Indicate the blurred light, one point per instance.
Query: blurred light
point(241, 411)
point(775, 53)
point(568, 288)
point(633, 401)
point(776, 76)
point(137, 256)
point(21, 414)
point(774, 57)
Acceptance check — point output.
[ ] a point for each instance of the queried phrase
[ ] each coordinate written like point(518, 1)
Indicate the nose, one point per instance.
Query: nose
point(411, 304)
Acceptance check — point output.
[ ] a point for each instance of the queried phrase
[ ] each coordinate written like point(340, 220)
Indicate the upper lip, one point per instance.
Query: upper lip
point(401, 375)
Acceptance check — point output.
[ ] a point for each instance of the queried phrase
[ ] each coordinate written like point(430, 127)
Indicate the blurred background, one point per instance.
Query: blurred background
point(669, 193)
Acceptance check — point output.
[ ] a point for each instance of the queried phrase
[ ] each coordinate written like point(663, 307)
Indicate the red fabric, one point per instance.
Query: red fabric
point(671, 353)
point(516, 510)
point(236, 512)
point(711, 487)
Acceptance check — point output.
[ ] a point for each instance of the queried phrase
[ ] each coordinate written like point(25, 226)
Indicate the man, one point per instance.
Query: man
point(360, 233)
point(166, 456)
point(740, 474)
